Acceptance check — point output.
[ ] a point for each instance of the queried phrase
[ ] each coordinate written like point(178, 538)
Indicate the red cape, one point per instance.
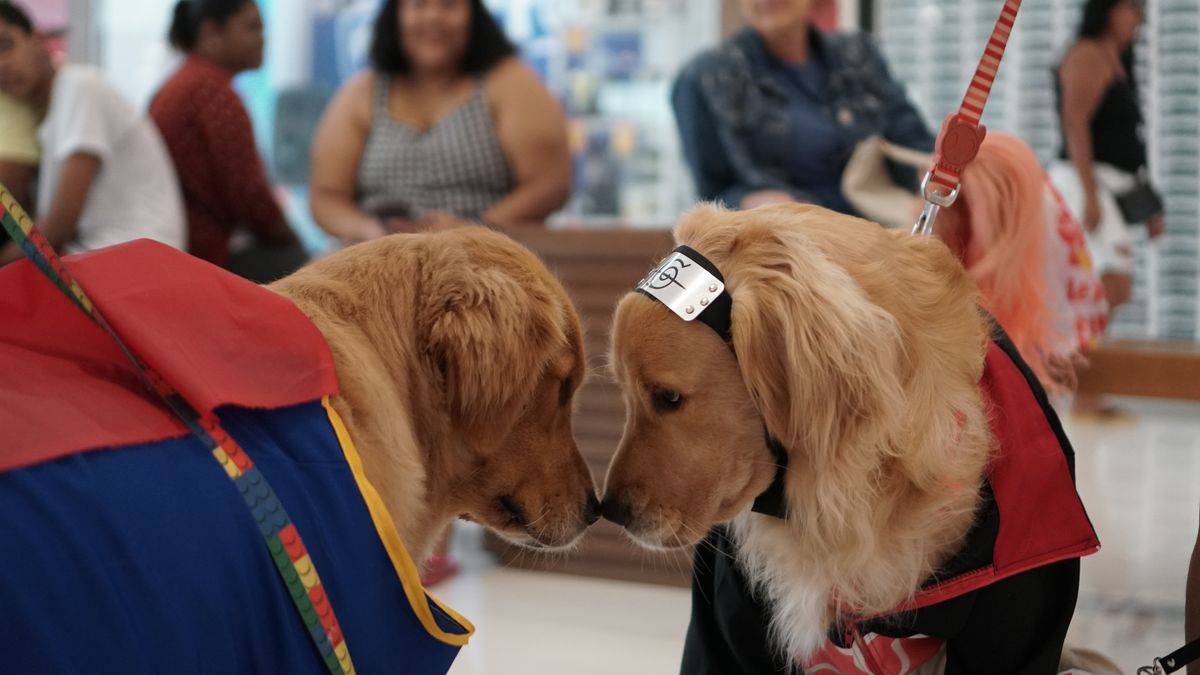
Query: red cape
point(66, 387)
point(1042, 519)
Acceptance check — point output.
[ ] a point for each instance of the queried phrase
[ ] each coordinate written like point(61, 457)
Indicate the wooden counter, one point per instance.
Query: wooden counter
point(1156, 369)
point(598, 267)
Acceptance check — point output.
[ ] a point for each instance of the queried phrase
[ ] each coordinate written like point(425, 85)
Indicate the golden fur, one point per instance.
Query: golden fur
point(458, 355)
point(861, 351)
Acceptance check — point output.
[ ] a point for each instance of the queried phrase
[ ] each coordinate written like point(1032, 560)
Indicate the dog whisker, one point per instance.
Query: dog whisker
point(545, 512)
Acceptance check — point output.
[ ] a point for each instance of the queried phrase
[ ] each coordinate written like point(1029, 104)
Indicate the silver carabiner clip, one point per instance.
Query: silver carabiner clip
point(934, 203)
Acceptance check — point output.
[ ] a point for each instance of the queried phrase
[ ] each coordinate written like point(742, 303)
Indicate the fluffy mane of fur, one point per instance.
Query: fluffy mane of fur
point(862, 350)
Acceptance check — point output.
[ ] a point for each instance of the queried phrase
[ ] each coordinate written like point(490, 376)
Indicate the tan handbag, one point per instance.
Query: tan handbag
point(868, 185)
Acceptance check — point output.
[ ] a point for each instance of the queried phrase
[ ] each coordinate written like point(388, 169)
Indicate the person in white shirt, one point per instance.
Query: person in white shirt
point(105, 175)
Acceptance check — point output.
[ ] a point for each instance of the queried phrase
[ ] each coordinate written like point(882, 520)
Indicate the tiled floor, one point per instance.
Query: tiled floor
point(1140, 481)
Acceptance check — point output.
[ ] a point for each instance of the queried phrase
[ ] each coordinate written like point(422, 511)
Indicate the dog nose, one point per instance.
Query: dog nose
point(617, 510)
point(591, 511)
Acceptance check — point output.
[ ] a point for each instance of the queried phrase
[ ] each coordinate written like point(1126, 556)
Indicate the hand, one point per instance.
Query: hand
point(1064, 370)
point(370, 229)
point(397, 224)
point(759, 198)
point(439, 221)
point(1156, 226)
point(1091, 212)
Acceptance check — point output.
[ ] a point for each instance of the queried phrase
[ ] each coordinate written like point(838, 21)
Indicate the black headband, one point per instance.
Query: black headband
point(688, 292)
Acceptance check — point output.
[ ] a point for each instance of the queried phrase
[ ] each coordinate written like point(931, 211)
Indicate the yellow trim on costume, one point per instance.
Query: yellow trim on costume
point(410, 578)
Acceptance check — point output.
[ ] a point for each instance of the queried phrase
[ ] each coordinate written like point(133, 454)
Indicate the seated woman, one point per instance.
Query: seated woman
point(447, 124)
point(208, 133)
point(1029, 258)
point(774, 113)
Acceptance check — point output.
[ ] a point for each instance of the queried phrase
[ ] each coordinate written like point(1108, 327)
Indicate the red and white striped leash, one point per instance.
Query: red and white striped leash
point(962, 133)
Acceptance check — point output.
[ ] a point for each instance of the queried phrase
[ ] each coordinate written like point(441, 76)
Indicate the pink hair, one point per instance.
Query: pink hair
point(998, 229)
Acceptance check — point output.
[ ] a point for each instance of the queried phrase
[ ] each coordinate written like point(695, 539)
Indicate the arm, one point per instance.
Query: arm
point(336, 152)
point(18, 177)
point(715, 179)
point(243, 179)
point(1082, 90)
point(703, 140)
point(904, 125)
point(533, 134)
point(62, 214)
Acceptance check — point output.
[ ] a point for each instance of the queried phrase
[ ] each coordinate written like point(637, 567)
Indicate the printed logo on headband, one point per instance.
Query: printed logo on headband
point(683, 284)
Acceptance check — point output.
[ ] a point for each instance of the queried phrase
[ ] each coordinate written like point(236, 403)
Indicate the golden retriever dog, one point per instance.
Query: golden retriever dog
point(353, 409)
point(458, 355)
point(850, 377)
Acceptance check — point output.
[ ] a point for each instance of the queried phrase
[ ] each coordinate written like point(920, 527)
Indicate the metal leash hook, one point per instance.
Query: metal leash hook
point(934, 203)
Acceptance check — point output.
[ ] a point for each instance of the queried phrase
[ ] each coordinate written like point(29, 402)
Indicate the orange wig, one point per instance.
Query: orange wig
point(998, 228)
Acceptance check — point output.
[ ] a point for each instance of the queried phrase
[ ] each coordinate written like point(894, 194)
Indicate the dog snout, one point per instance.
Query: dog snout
point(591, 510)
point(617, 510)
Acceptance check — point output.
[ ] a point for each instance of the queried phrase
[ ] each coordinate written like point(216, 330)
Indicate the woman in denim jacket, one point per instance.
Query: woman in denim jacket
point(774, 113)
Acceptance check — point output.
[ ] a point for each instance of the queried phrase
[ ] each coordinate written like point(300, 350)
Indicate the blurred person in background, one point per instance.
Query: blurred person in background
point(208, 132)
point(446, 125)
point(775, 113)
point(1104, 157)
point(1104, 150)
point(104, 175)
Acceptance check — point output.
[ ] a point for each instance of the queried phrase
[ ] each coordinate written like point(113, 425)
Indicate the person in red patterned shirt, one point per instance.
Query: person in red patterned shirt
point(208, 133)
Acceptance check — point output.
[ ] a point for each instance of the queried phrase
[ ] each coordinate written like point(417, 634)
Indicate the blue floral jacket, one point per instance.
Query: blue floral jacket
point(733, 113)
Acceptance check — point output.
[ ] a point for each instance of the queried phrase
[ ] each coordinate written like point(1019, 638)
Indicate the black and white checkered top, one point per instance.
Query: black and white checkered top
point(456, 166)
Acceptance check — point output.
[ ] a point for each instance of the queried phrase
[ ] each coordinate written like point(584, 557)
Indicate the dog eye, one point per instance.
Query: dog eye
point(667, 400)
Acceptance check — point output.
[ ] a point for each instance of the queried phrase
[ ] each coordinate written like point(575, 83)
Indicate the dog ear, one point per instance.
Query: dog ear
point(820, 359)
point(488, 335)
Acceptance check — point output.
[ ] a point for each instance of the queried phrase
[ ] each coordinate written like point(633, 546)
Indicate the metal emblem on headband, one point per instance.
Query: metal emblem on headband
point(683, 285)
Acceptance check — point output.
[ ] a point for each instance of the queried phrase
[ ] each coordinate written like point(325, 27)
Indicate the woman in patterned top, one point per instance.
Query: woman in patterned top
point(447, 124)
point(208, 133)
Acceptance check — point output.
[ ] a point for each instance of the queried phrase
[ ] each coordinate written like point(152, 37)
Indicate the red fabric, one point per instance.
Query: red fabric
point(225, 186)
point(1042, 520)
point(65, 387)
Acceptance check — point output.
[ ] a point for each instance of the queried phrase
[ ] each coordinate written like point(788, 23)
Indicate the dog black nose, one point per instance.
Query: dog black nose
point(617, 510)
point(591, 510)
